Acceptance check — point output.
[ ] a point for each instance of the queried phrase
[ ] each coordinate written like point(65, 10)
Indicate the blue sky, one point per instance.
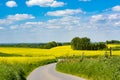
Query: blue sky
point(32, 21)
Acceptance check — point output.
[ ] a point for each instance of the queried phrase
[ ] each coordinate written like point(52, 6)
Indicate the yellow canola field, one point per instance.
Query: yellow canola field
point(113, 45)
point(30, 52)
point(56, 52)
point(24, 60)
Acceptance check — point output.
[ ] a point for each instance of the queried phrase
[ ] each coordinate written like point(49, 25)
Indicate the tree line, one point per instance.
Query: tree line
point(113, 42)
point(36, 45)
point(85, 44)
point(76, 44)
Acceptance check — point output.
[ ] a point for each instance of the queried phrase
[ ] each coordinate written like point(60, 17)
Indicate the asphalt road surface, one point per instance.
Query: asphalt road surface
point(48, 72)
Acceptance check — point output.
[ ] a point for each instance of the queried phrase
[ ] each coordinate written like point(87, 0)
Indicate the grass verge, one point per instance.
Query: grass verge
point(93, 69)
point(19, 71)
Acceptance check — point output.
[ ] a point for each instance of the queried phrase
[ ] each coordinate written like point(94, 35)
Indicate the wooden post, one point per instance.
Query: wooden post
point(82, 57)
point(106, 55)
point(110, 51)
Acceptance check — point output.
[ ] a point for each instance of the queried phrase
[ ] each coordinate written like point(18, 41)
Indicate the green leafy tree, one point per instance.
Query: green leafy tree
point(85, 44)
point(75, 43)
point(50, 45)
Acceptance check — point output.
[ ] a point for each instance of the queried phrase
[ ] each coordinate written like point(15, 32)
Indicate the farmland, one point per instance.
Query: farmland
point(16, 63)
point(59, 51)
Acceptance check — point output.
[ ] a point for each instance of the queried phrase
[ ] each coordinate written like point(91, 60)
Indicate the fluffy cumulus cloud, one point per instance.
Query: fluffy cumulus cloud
point(17, 17)
point(103, 25)
point(114, 16)
point(11, 4)
point(20, 17)
point(96, 18)
point(45, 3)
point(64, 12)
point(103, 21)
point(116, 8)
point(67, 23)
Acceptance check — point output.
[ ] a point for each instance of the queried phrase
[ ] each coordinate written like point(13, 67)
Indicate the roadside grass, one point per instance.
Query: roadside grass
point(17, 68)
point(100, 68)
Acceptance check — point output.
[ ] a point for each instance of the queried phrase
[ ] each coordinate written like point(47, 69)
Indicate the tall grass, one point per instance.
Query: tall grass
point(19, 70)
point(93, 69)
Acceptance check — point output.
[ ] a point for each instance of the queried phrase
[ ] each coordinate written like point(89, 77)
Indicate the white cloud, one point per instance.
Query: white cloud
point(65, 12)
point(4, 21)
point(116, 8)
point(114, 16)
point(61, 23)
point(106, 17)
point(57, 4)
point(19, 17)
point(67, 22)
point(101, 21)
point(85, 0)
point(13, 18)
point(45, 3)
point(27, 25)
point(11, 4)
point(117, 23)
point(95, 18)
point(33, 23)
point(2, 28)
point(106, 21)
point(71, 26)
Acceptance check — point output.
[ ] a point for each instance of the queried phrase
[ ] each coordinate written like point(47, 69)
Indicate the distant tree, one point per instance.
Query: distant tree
point(113, 42)
point(80, 43)
point(59, 44)
point(75, 43)
point(85, 44)
point(85, 40)
point(50, 45)
point(66, 43)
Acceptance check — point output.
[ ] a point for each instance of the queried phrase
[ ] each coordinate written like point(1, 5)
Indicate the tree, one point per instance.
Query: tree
point(113, 42)
point(50, 45)
point(80, 43)
point(75, 43)
point(85, 44)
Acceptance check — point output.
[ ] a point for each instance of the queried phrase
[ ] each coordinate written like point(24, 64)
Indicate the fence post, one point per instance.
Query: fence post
point(106, 55)
point(82, 57)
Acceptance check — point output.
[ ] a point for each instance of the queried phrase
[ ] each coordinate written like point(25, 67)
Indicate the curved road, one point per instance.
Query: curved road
point(48, 72)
